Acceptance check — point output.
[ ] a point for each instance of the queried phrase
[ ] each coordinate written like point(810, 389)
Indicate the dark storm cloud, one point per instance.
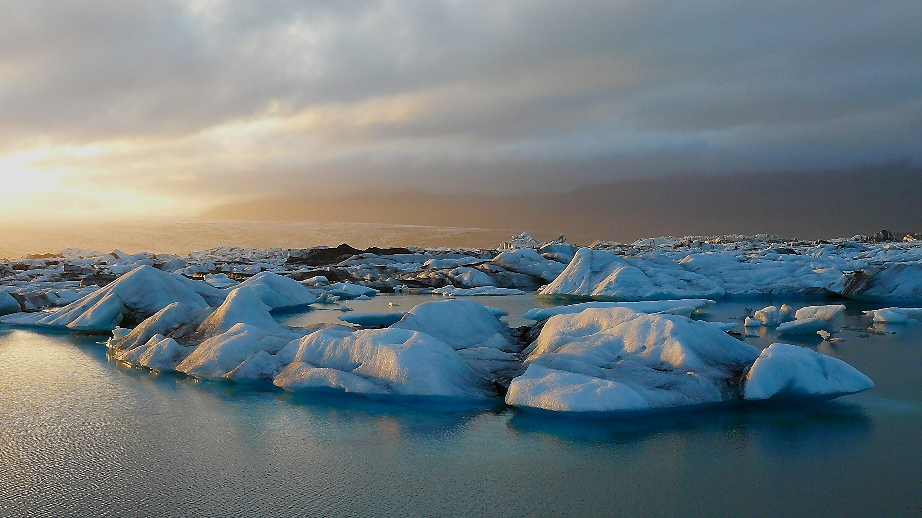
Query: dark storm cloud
point(493, 93)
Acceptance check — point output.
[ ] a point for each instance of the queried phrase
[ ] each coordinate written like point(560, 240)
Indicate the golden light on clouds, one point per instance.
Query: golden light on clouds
point(55, 183)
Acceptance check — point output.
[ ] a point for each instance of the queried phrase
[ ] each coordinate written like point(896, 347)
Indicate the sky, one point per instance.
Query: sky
point(165, 109)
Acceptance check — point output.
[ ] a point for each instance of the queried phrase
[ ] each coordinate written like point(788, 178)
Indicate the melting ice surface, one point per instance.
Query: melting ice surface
point(83, 435)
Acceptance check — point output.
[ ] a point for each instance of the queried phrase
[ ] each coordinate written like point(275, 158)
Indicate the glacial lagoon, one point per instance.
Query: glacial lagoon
point(82, 435)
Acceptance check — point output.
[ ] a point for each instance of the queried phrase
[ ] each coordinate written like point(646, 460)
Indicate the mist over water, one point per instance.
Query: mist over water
point(22, 239)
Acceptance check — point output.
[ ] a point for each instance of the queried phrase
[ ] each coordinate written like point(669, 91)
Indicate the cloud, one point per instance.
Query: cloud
point(205, 101)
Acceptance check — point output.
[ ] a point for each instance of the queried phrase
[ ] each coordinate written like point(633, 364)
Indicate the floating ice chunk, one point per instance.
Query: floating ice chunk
point(685, 307)
point(8, 304)
point(827, 313)
point(346, 290)
point(895, 315)
point(667, 360)
point(459, 323)
point(279, 292)
point(245, 305)
point(374, 319)
point(751, 322)
point(802, 326)
point(786, 313)
point(221, 354)
point(136, 295)
point(451, 291)
point(158, 353)
point(470, 277)
point(563, 391)
point(397, 361)
point(784, 370)
point(768, 316)
point(602, 274)
point(529, 262)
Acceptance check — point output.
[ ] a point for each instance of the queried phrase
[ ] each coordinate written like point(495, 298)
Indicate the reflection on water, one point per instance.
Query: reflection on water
point(82, 436)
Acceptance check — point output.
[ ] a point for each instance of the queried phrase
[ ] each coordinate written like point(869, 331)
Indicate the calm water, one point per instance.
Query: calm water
point(83, 436)
point(23, 238)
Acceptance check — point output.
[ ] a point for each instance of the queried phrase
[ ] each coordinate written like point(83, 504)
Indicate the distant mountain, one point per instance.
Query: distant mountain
point(806, 205)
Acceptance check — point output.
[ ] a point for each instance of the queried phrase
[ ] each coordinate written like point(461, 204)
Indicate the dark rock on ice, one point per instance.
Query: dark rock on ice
point(883, 236)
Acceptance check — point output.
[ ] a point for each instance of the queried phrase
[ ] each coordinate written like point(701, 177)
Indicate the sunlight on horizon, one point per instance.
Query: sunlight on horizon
point(47, 183)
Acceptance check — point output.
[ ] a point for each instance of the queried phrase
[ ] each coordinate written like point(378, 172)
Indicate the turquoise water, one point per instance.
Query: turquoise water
point(83, 436)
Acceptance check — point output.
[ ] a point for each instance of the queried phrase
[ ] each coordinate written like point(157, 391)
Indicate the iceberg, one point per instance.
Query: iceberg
point(223, 353)
point(891, 282)
point(159, 354)
point(789, 371)
point(458, 323)
point(616, 359)
point(894, 315)
point(243, 304)
point(8, 304)
point(803, 326)
point(470, 277)
point(132, 297)
point(631, 360)
point(605, 275)
point(810, 319)
point(529, 262)
point(388, 361)
point(278, 292)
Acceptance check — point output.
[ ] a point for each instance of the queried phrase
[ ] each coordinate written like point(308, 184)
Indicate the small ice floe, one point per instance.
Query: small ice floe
point(810, 319)
point(894, 315)
point(827, 336)
point(789, 371)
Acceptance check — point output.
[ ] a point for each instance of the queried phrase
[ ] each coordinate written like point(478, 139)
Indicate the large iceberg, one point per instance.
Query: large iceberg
point(617, 359)
point(634, 360)
point(279, 292)
point(388, 361)
point(529, 262)
point(133, 297)
point(605, 275)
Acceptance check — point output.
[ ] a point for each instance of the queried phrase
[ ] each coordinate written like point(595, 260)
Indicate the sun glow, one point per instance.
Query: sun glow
point(49, 183)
